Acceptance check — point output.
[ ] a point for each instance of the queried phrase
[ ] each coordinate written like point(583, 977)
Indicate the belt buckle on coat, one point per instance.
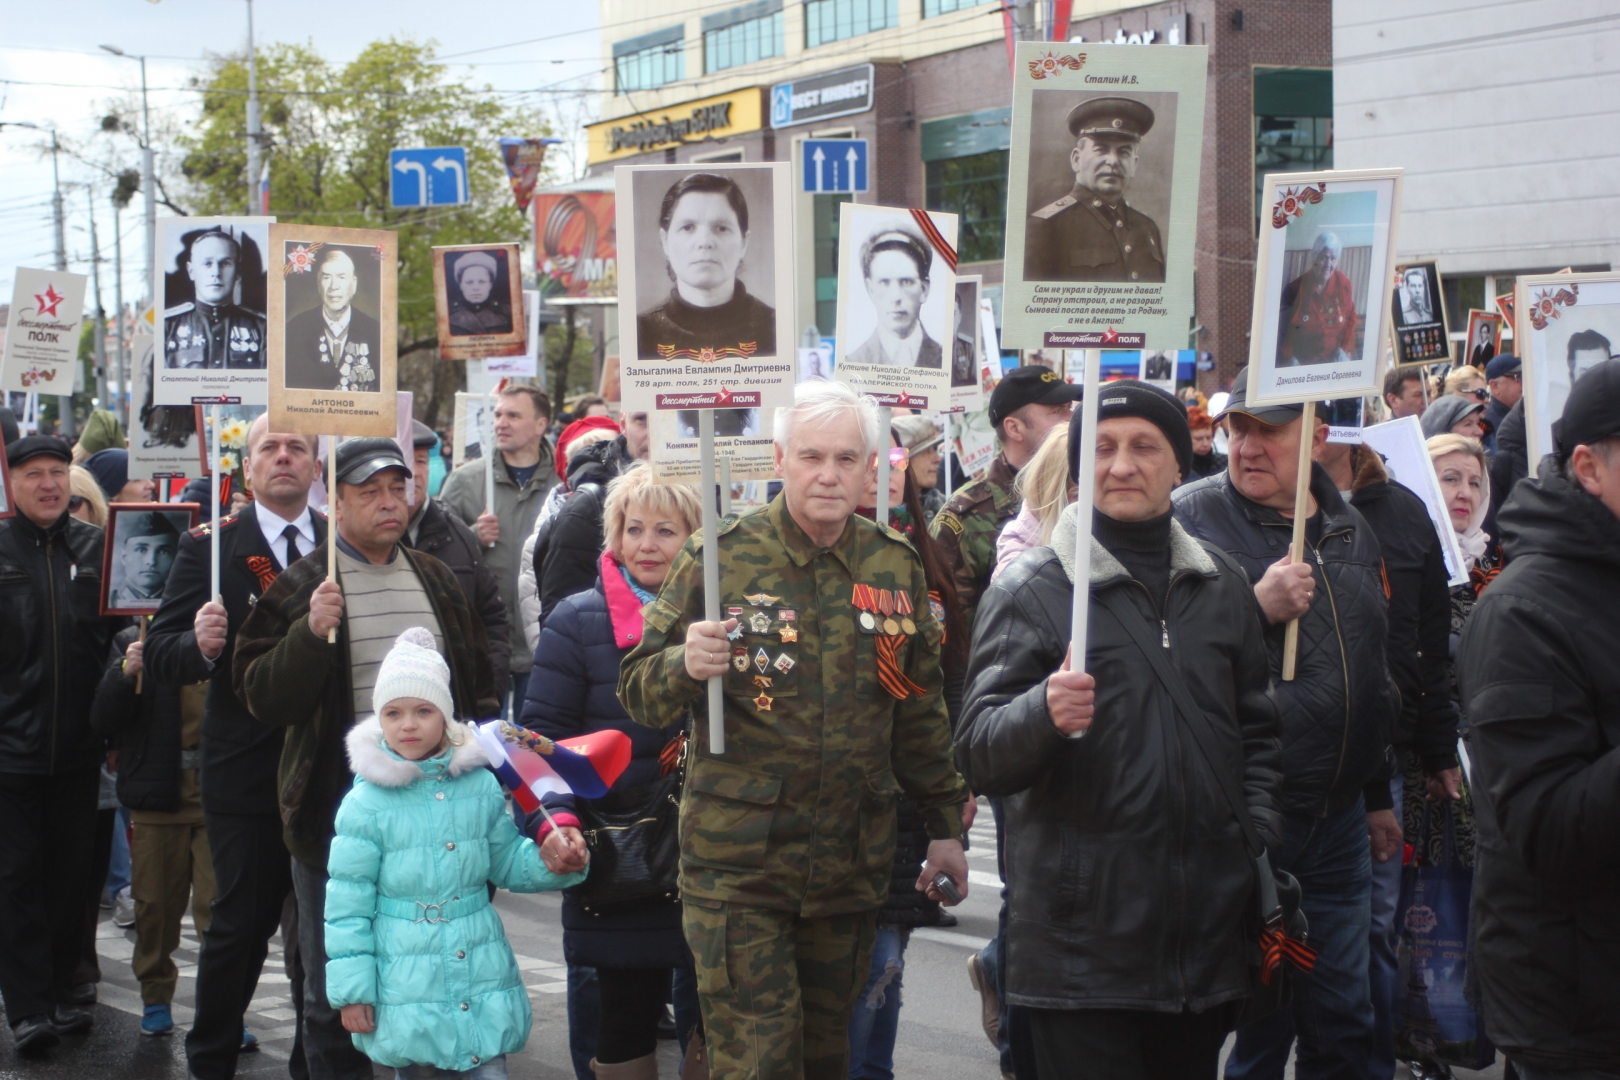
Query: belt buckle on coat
point(426, 918)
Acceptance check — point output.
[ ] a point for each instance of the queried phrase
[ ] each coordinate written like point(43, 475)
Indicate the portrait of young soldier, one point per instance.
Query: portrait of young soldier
point(144, 546)
point(211, 330)
point(1093, 233)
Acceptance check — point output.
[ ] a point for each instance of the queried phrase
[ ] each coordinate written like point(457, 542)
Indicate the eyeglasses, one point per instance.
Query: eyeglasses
point(898, 457)
point(1481, 393)
point(76, 503)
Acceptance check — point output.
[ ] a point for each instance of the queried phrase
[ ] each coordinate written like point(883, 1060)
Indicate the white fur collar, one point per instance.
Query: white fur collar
point(370, 758)
point(1185, 552)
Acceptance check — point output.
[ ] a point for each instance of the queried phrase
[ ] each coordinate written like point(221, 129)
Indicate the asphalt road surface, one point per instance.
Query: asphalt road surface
point(940, 1034)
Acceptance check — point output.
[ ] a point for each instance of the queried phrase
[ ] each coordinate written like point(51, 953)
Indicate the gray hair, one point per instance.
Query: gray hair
point(819, 400)
point(1326, 239)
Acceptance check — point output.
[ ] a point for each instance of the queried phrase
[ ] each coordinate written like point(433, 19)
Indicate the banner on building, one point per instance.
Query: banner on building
point(524, 158)
point(576, 245)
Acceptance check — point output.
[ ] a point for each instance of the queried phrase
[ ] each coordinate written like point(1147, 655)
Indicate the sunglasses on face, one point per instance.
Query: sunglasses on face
point(1481, 393)
point(898, 457)
point(76, 503)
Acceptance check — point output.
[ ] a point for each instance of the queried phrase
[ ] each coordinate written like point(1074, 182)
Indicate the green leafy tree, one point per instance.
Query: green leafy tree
point(328, 130)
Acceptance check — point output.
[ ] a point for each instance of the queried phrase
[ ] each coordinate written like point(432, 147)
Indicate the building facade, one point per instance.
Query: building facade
point(927, 83)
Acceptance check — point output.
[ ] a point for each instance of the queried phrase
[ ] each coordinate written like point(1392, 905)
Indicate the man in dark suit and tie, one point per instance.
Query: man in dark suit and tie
point(334, 346)
point(191, 640)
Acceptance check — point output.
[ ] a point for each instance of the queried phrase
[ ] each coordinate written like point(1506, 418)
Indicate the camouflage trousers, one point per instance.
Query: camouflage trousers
point(777, 990)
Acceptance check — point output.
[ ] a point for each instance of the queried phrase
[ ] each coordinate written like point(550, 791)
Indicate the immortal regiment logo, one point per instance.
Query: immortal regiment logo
point(45, 305)
point(1293, 203)
point(741, 351)
point(1053, 64)
point(1094, 339)
point(645, 133)
point(710, 399)
point(48, 302)
point(1545, 303)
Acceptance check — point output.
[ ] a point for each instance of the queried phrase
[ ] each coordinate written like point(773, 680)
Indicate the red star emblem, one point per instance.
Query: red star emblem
point(1110, 336)
point(724, 396)
point(47, 304)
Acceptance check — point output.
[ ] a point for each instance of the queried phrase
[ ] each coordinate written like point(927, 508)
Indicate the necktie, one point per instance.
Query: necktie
point(293, 554)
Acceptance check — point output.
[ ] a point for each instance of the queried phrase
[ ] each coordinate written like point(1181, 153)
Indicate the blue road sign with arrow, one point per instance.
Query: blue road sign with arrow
point(835, 165)
point(433, 176)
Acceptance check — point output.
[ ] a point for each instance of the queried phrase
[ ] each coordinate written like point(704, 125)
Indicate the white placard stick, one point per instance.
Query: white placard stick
point(725, 485)
point(331, 521)
point(947, 451)
point(488, 435)
point(1296, 550)
point(1085, 481)
point(213, 486)
point(711, 578)
point(885, 441)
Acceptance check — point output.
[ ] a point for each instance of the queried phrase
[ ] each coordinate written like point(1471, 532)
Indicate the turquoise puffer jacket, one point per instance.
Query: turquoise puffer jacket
point(409, 927)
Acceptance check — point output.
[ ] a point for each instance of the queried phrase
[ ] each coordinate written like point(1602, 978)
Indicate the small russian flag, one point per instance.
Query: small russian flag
point(531, 765)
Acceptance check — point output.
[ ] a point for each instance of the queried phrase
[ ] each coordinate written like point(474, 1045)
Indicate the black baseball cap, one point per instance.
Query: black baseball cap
point(1592, 410)
point(1031, 384)
point(1275, 415)
point(358, 460)
point(31, 446)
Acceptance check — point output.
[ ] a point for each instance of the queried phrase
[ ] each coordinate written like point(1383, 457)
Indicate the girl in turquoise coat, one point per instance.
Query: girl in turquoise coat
point(417, 959)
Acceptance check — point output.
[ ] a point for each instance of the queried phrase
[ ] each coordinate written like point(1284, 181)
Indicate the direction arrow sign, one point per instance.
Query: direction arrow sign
point(835, 165)
point(431, 176)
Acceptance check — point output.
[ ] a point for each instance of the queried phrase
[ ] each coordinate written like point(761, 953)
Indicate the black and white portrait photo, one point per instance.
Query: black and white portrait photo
point(1416, 295)
point(965, 341)
point(728, 423)
point(142, 539)
point(1099, 184)
point(212, 332)
point(333, 333)
point(480, 284)
point(896, 274)
point(1484, 336)
point(1158, 367)
point(705, 265)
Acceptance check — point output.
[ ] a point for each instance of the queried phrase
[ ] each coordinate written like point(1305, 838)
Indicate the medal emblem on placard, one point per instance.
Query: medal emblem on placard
point(760, 622)
point(762, 660)
point(739, 659)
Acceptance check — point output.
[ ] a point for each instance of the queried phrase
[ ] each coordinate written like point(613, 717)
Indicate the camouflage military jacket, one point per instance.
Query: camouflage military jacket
point(213, 336)
point(799, 814)
point(968, 527)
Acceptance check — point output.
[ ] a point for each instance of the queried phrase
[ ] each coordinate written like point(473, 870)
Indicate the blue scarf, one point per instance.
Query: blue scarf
point(635, 586)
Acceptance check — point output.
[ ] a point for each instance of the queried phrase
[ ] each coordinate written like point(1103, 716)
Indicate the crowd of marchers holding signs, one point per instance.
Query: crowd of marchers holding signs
point(293, 781)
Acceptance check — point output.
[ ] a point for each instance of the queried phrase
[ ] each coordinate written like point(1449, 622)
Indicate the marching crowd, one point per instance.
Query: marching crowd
point(1192, 843)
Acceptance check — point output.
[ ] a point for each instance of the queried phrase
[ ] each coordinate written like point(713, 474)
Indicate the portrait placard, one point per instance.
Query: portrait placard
point(706, 309)
point(1102, 195)
point(162, 438)
point(1406, 459)
point(1158, 368)
point(473, 416)
point(1570, 323)
point(967, 347)
point(7, 507)
point(333, 330)
point(1484, 337)
point(478, 297)
point(42, 332)
point(1418, 313)
point(989, 348)
point(975, 441)
point(896, 304)
point(1327, 245)
point(211, 313)
point(1504, 306)
point(1344, 417)
point(234, 422)
point(142, 540)
point(525, 363)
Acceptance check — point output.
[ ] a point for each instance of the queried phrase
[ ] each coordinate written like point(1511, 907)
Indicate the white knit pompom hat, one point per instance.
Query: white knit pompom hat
point(414, 668)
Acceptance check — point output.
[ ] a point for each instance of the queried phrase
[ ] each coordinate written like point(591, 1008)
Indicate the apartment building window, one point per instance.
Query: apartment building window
point(742, 35)
point(932, 8)
point(965, 160)
point(834, 20)
point(651, 60)
point(1293, 124)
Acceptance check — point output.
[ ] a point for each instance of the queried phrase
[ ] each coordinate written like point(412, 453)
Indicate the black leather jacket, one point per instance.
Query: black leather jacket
point(1338, 713)
point(1129, 882)
point(53, 644)
point(442, 535)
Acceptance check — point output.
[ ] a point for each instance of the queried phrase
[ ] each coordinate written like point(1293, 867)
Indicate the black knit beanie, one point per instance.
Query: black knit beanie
point(1131, 397)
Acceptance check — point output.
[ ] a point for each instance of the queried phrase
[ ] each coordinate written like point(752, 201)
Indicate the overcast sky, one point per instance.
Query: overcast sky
point(53, 73)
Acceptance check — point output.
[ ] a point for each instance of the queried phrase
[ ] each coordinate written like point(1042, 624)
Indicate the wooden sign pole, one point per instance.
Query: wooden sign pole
point(141, 675)
point(331, 522)
point(1085, 482)
point(1296, 551)
point(711, 577)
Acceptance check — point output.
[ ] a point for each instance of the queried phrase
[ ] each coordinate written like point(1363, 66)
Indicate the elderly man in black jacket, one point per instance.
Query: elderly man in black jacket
point(53, 644)
point(1338, 717)
point(1129, 876)
point(1541, 692)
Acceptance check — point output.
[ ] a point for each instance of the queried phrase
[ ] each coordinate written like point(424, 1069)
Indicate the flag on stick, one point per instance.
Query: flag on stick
point(531, 765)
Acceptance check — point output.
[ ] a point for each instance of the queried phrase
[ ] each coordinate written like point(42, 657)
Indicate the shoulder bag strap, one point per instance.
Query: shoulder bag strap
point(1192, 718)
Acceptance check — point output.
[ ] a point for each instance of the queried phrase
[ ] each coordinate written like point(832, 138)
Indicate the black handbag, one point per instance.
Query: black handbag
point(1277, 926)
point(634, 845)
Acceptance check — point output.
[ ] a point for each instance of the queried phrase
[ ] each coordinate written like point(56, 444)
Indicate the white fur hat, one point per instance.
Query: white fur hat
point(413, 668)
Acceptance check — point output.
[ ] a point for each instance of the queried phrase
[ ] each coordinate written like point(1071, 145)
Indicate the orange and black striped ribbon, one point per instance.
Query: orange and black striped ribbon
point(935, 237)
point(1275, 947)
point(893, 679)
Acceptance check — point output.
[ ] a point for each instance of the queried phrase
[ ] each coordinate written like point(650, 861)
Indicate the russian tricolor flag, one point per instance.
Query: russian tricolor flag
point(586, 765)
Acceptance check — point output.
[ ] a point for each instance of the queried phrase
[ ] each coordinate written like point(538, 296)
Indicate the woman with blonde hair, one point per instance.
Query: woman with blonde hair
point(1044, 487)
point(86, 502)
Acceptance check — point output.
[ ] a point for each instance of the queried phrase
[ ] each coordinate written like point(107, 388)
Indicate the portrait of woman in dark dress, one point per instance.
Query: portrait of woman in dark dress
point(476, 306)
point(708, 314)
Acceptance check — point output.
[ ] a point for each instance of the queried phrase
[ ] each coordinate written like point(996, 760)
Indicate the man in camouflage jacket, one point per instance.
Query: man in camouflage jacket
point(1026, 404)
point(830, 657)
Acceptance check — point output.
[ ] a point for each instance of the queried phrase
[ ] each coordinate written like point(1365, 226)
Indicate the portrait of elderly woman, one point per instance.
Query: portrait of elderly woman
point(480, 300)
point(704, 240)
point(894, 267)
point(1318, 312)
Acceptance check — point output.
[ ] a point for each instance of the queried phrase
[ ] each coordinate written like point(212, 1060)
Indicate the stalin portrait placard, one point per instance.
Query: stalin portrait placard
point(333, 336)
point(1102, 196)
point(212, 332)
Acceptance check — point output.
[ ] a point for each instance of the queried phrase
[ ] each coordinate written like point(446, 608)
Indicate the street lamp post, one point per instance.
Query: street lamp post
point(253, 130)
point(148, 182)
